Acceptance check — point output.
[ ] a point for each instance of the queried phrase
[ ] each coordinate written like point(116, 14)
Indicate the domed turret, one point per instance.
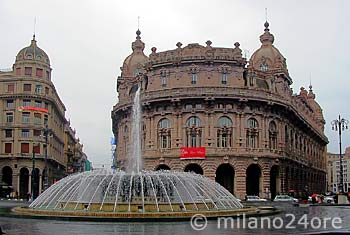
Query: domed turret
point(133, 64)
point(268, 58)
point(33, 53)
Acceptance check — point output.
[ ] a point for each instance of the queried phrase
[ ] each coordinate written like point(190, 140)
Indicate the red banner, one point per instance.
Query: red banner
point(29, 108)
point(192, 153)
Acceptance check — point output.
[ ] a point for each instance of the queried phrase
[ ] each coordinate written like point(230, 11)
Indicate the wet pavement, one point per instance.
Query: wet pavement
point(293, 220)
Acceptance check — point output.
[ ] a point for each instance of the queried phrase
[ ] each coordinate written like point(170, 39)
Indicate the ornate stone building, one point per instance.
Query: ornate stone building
point(32, 122)
point(258, 137)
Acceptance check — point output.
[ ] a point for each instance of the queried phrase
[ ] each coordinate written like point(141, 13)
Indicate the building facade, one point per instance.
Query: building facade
point(333, 171)
point(32, 124)
point(258, 137)
point(75, 157)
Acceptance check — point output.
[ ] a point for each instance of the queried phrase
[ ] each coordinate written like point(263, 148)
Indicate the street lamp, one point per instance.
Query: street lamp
point(47, 132)
point(340, 125)
point(33, 172)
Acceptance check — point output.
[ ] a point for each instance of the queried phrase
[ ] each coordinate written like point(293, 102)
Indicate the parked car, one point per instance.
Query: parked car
point(285, 198)
point(326, 199)
point(255, 199)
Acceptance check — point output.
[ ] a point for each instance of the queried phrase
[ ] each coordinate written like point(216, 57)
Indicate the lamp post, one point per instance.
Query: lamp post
point(340, 125)
point(33, 173)
point(47, 132)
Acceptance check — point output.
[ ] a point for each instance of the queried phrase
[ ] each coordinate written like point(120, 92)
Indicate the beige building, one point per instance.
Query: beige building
point(207, 109)
point(333, 171)
point(73, 149)
point(32, 122)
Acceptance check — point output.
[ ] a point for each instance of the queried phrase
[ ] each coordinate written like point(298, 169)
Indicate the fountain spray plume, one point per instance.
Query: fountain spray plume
point(135, 161)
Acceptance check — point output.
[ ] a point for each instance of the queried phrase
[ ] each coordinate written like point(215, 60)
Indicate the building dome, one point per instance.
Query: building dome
point(267, 57)
point(133, 64)
point(33, 53)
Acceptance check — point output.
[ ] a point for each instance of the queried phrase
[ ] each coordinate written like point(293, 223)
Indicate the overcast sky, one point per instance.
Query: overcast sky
point(88, 40)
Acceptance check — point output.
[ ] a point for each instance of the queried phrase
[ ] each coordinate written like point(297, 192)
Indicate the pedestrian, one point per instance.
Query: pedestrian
point(313, 198)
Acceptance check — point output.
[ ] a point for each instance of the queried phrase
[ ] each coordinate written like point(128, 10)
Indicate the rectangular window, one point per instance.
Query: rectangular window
point(11, 87)
point(48, 75)
point(164, 142)
point(28, 71)
point(36, 133)
point(198, 106)
point(18, 71)
point(37, 104)
point(47, 106)
point(224, 78)
point(10, 104)
point(25, 133)
point(36, 148)
point(8, 147)
point(47, 90)
point(9, 117)
point(8, 133)
point(38, 89)
point(194, 78)
point(46, 119)
point(26, 117)
point(27, 103)
point(27, 87)
point(163, 78)
point(39, 73)
point(251, 81)
point(37, 118)
point(24, 147)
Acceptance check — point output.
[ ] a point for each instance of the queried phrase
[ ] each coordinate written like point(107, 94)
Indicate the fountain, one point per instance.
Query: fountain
point(135, 193)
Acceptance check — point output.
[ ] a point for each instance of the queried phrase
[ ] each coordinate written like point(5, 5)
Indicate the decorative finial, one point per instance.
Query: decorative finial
point(179, 44)
point(154, 50)
point(208, 43)
point(237, 44)
point(266, 23)
point(267, 26)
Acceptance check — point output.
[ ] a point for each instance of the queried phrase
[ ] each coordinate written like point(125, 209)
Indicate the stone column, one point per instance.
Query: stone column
point(240, 182)
point(175, 126)
point(211, 123)
point(265, 174)
point(207, 131)
point(152, 132)
point(40, 183)
point(30, 184)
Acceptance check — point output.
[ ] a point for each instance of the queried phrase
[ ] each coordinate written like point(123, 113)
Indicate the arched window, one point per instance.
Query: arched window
point(164, 133)
point(137, 72)
point(224, 132)
point(252, 135)
point(272, 135)
point(164, 123)
point(193, 132)
point(264, 67)
point(193, 122)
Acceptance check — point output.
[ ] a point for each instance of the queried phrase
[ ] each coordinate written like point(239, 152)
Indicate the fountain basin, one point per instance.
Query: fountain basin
point(117, 195)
